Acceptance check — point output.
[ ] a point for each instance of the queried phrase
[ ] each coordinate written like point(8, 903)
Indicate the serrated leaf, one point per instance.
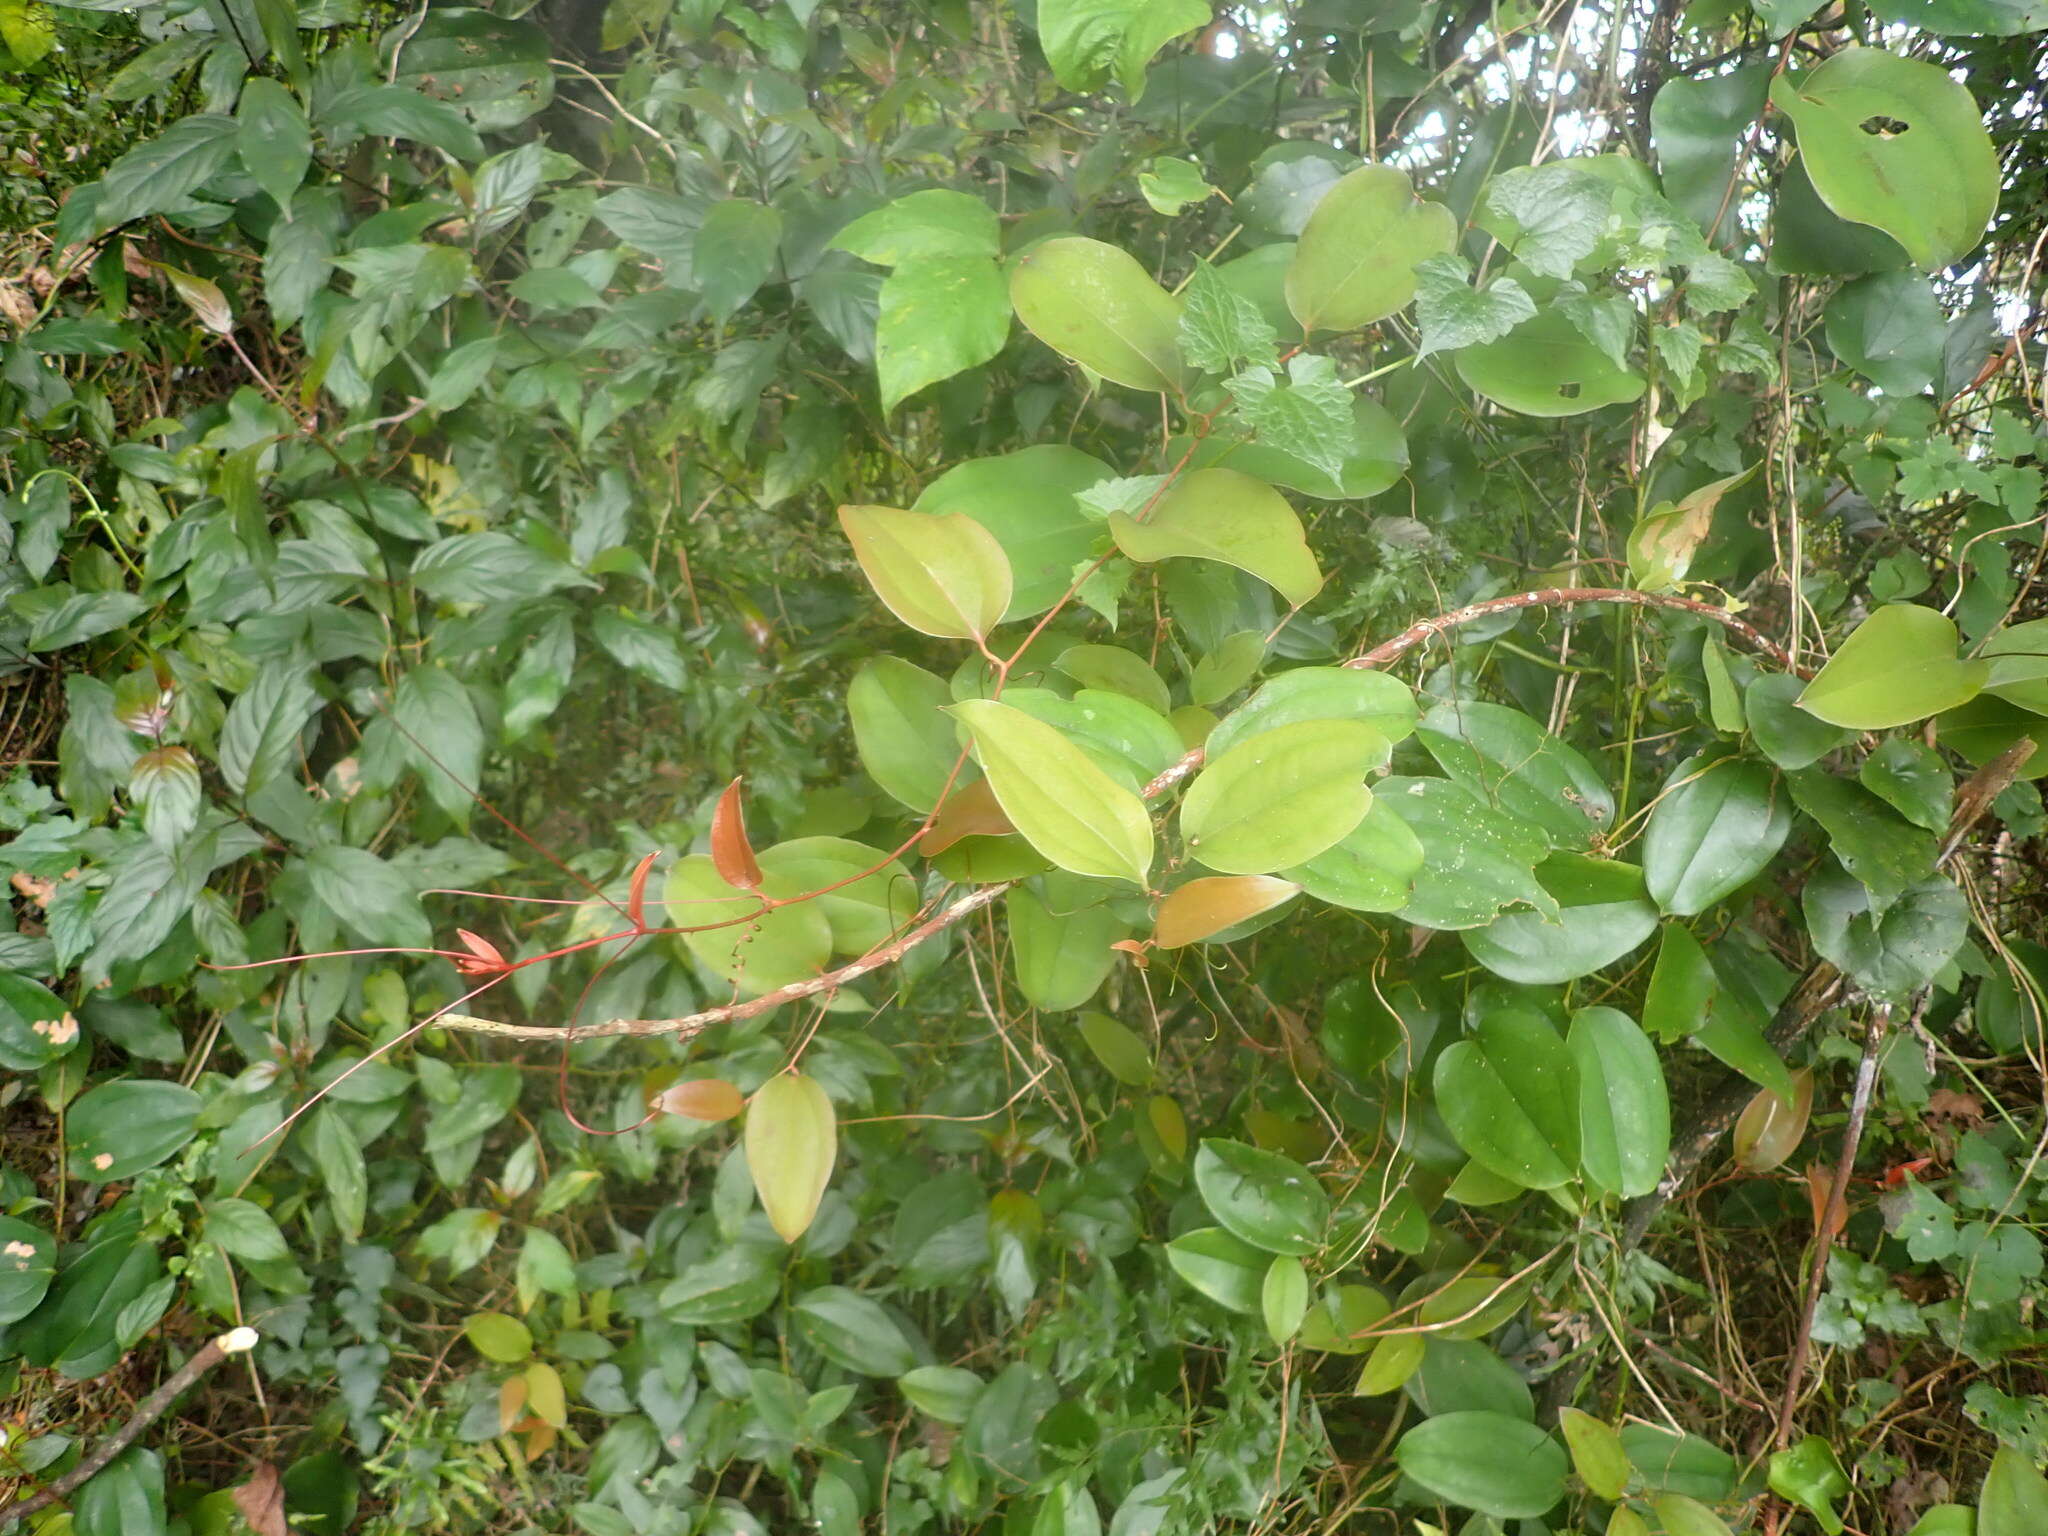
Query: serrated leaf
point(1453, 314)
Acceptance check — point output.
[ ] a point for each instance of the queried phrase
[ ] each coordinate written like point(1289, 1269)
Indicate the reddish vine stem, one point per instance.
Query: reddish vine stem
point(234, 1342)
point(1379, 656)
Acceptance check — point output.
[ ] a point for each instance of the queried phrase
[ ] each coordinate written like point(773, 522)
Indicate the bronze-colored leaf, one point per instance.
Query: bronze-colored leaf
point(1770, 1129)
point(731, 854)
point(1200, 908)
point(261, 1501)
point(701, 1098)
point(969, 811)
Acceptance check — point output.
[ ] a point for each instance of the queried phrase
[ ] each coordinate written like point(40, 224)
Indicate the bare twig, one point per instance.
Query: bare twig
point(234, 1342)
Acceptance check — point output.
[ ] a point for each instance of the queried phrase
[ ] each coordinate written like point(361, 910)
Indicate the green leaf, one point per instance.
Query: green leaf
point(853, 1331)
point(1986, 726)
point(1733, 1038)
point(1476, 860)
point(1220, 327)
point(28, 1263)
point(942, 574)
point(1026, 499)
point(1547, 369)
point(1372, 868)
point(1064, 805)
point(1490, 1462)
point(399, 112)
point(37, 1027)
point(1683, 986)
point(1267, 1200)
point(2014, 1499)
point(1510, 1096)
point(441, 737)
point(1224, 1268)
point(1212, 907)
point(496, 67)
point(117, 1130)
point(938, 316)
point(1219, 514)
point(1356, 260)
point(1624, 1107)
point(1093, 304)
point(1602, 914)
point(728, 931)
point(1508, 760)
point(162, 172)
point(735, 252)
point(1377, 699)
point(922, 227)
point(1113, 669)
point(1930, 182)
point(1281, 797)
point(1698, 128)
point(1169, 185)
point(1550, 216)
point(126, 1499)
point(498, 1337)
point(1912, 779)
point(1393, 1361)
point(1966, 18)
point(1781, 17)
point(1283, 1298)
point(943, 1392)
point(1892, 951)
point(1453, 314)
point(1597, 1455)
point(1063, 958)
point(900, 729)
point(1871, 841)
point(1897, 667)
point(1089, 41)
point(1684, 1516)
point(490, 567)
point(1122, 1052)
point(792, 1141)
point(1717, 825)
point(373, 900)
point(1373, 454)
point(1809, 1476)
point(273, 139)
point(1783, 732)
point(1889, 328)
point(1308, 420)
point(338, 1156)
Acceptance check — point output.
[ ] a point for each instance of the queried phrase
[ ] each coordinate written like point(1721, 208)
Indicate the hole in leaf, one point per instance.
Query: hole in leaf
point(1568, 391)
point(1882, 127)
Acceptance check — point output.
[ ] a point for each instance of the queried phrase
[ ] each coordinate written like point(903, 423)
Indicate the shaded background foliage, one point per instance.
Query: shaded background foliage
point(404, 404)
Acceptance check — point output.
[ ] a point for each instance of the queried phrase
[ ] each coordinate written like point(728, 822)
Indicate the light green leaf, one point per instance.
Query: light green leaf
point(792, 1140)
point(1378, 699)
point(1510, 1095)
point(1090, 41)
point(905, 741)
point(1219, 327)
point(1602, 914)
point(1897, 667)
point(1453, 314)
point(1219, 514)
point(1889, 328)
point(1546, 368)
point(1062, 957)
point(1624, 1107)
point(1267, 1200)
point(1356, 259)
point(728, 931)
point(1169, 185)
point(1224, 1268)
point(1026, 499)
point(273, 139)
point(1507, 759)
point(942, 574)
point(1931, 183)
point(1093, 304)
point(939, 316)
point(921, 227)
point(1283, 1298)
point(1064, 805)
point(1282, 796)
point(1476, 860)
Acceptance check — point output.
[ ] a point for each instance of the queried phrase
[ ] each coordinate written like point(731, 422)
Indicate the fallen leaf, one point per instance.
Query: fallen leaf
point(261, 1501)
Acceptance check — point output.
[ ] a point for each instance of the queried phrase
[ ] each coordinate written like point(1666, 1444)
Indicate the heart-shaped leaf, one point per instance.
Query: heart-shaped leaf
point(1355, 261)
point(1546, 368)
point(1897, 667)
point(1219, 514)
point(942, 575)
point(1897, 144)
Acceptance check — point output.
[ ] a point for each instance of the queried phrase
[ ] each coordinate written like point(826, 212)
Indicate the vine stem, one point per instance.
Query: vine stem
point(235, 1341)
point(1379, 656)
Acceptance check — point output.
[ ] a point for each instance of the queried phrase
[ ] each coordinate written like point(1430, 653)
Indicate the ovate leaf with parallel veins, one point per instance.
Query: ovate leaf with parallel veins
point(1205, 907)
point(1476, 860)
point(728, 930)
point(1026, 499)
point(1546, 368)
point(1507, 759)
point(1379, 699)
point(1602, 914)
point(1281, 797)
point(1267, 1200)
point(1064, 805)
point(904, 739)
point(1486, 1461)
point(1219, 514)
point(1897, 144)
point(941, 575)
point(1356, 259)
point(1899, 666)
point(1718, 822)
point(939, 316)
point(1624, 1107)
point(1095, 305)
point(792, 1140)
point(1510, 1095)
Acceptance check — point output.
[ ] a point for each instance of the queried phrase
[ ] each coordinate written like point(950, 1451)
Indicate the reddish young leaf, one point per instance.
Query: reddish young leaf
point(968, 812)
point(731, 854)
point(636, 896)
point(1820, 1179)
point(484, 959)
point(261, 1501)
point(1770, 1129)
point(701, 1098)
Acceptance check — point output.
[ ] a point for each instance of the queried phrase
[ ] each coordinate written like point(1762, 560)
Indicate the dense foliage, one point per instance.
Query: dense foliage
point(970, 766)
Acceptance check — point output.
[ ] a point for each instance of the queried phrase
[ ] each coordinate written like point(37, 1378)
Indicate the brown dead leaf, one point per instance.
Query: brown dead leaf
point(261, 1501)
point(1948, 1104)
